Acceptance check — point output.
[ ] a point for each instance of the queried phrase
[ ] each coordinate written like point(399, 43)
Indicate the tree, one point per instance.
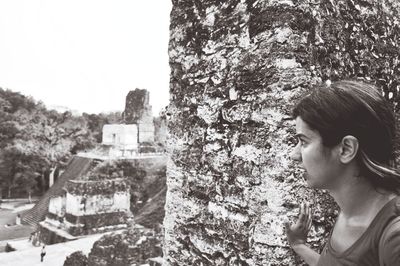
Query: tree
point(27, 181)
point(40, 138)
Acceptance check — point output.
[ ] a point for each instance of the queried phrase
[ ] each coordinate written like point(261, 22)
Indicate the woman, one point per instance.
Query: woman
point(346, 134)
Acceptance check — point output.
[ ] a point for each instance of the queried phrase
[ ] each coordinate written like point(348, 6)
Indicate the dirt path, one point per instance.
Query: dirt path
point(55, 254)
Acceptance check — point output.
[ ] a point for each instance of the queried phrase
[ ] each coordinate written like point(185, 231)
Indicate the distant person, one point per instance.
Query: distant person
point(42, 253)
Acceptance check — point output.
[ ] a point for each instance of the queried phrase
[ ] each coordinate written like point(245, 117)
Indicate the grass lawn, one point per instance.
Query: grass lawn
point(15, 231)
point(11, 232)
point(7, 216)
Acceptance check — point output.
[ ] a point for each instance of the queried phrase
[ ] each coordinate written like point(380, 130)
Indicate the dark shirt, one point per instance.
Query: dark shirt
point(365, 251)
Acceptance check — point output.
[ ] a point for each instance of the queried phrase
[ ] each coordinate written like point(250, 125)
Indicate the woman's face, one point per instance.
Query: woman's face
point(321, 163)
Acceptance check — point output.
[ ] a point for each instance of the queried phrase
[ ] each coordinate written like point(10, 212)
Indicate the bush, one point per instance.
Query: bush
point(76, 259)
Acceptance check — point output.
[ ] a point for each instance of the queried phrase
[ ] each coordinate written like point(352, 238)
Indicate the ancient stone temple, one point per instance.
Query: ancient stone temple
point(237, 69)
point(86, 207)
point(138, 111)
point(121, 139)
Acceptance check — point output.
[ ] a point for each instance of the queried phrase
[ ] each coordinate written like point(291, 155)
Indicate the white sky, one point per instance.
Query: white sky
point(85, 54)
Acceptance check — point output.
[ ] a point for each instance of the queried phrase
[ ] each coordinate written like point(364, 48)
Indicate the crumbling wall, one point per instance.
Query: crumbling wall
point(96, 206)
point(136, 104)
point(237, 67)
point(138, 111)
point(95, 197)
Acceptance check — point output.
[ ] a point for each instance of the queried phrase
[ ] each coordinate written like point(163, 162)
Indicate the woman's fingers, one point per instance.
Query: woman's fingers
point(302, 216)
point(297, 233)
point(309, 224)
point(308, 211)
point(305, 217)
point(309, 217)
point(304, 220)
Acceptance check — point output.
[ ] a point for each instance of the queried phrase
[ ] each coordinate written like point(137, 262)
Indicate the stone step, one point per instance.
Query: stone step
point(77, 167)
point(58, 231)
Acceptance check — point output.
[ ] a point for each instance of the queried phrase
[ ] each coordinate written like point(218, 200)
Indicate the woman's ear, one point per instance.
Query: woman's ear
point(348, 149)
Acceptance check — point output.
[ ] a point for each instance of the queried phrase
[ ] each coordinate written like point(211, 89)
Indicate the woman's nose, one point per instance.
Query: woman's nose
point(295, 155)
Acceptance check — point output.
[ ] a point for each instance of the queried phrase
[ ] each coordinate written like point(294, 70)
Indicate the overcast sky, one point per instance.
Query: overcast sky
point(85, 54)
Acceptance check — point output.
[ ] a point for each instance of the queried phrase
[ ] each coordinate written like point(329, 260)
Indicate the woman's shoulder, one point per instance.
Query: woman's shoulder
point(389, 245)
point(389, 212)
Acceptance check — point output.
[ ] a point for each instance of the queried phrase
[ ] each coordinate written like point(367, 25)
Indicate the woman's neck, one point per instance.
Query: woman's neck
point(358, 198)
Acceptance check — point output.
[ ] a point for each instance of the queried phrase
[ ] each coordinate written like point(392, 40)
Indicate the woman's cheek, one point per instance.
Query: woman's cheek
point(305, 154)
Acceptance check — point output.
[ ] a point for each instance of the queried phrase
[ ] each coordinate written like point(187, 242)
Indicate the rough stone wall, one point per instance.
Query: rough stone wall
point(95, 197)
point(57, 206)
point(96, 223)
point(49, 237)
point(237, 67)
point(132, 247)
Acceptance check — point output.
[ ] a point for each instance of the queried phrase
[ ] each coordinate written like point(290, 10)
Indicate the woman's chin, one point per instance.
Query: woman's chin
point(310, 181)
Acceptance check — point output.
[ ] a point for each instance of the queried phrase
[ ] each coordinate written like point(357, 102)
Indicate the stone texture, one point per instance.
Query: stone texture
point(138, 111)
point(237, 67)
point(132, 247)
point(136, 104)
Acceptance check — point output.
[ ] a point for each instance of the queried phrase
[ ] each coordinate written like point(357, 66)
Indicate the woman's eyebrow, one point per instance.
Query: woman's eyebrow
point(300, 135)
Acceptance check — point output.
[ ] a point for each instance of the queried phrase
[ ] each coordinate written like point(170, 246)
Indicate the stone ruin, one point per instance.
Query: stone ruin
point(237, 68)
point(138, 134)
point(121, 139)
point(138, 111)
point(137, 246)
point(86, 207)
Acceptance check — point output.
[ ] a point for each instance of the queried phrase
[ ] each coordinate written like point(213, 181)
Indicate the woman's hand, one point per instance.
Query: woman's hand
point(297, 233)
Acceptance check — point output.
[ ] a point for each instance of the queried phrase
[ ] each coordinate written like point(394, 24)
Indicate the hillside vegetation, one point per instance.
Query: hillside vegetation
point(33, 140)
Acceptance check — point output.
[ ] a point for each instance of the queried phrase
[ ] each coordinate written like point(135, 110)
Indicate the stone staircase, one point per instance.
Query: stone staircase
point(77, 167)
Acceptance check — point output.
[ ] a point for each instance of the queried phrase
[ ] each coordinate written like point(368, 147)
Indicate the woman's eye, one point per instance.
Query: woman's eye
point(300, 141)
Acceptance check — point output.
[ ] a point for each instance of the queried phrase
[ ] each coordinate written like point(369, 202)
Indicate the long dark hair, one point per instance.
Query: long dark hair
point(355, 108)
